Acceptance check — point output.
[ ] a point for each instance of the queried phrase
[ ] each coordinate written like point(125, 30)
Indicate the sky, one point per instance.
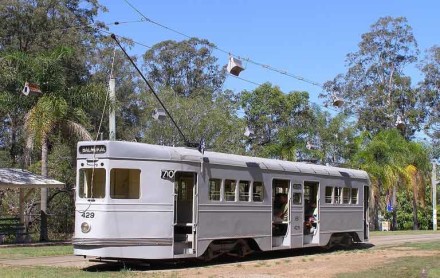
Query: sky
point(309, 39)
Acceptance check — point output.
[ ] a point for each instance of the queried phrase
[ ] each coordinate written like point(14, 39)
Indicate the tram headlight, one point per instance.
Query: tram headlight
point(85, 227)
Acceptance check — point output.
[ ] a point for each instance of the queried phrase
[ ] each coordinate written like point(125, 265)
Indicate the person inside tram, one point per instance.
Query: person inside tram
point(311, 217)
point(280, 208)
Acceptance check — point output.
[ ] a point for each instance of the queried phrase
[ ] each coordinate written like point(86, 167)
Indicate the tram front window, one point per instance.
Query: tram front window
point(92, 183)
point(125, 183)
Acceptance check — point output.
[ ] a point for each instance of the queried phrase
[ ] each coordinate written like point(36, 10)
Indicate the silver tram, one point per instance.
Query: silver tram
point(141, 201)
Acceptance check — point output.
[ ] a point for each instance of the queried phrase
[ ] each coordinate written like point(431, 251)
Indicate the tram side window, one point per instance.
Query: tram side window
point(346, 195)
point(230, 190)
point(329, 195)
point(92, 183)
point(258, 191)
point(338, 195)
point(125, 183)
point(243, 190)
point(214, 189)
point(354, 196)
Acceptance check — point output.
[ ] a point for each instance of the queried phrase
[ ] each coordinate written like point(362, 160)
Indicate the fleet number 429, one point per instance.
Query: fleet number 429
point(88, 214)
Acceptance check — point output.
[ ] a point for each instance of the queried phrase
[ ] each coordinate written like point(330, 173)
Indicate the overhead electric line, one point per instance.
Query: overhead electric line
point(269, 67)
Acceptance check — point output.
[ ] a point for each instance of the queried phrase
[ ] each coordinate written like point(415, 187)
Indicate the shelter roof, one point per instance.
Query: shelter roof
point(18, 178)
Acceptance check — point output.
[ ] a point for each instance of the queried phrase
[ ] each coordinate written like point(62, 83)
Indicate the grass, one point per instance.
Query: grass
point(23, 252)
point(433, 245)
point(406, 232)
point(403, 267)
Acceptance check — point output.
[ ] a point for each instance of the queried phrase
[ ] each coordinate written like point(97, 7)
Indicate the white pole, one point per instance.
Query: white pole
point(112, 120)
point(434, 196)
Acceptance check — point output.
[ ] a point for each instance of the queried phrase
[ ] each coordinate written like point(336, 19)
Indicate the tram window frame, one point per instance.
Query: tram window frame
point(329, 197)
point(346, 195)
point(244, 187)
point(338, 195)
point(354, 197)
point(211, 191)
point(97, 191)
point(230, 193)
point(255, 185)
point(125, 183)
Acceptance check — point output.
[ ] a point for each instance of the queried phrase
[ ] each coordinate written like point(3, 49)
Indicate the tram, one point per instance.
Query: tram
point(142, 201)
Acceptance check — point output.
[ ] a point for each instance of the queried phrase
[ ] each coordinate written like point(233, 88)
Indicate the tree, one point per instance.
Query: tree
point(394, 165)
point(335, 137)
point(187, 67)
point(281, 122)
point(58, 109)
point(429, 89)
point(198, 117)
point(374, 85)
point(384, 158)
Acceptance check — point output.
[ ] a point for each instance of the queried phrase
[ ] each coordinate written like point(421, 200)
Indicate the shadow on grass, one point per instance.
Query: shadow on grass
point(157, 265)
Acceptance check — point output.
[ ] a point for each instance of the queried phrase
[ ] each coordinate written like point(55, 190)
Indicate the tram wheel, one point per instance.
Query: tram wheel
point(208, 255)
point(242, 248)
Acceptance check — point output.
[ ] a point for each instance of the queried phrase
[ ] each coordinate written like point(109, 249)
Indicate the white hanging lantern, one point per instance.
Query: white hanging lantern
point(235, 66)
point(249, 132)
point(337, 101)
point(31, 89)
point(159, 114)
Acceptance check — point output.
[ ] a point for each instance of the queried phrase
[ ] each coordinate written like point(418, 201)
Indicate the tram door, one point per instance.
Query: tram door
point(185, 207)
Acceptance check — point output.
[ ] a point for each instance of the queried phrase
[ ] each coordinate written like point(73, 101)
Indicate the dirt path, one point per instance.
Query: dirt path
point(291, 263)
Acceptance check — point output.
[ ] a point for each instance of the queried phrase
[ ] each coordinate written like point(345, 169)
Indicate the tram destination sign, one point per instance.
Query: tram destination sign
point(93, 149)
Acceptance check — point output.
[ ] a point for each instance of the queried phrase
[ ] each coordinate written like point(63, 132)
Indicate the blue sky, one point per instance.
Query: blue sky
point(305, 38)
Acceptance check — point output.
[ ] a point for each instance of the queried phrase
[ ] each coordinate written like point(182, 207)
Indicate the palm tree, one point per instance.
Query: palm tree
point(384, 157)
point(417, 172)
point(59, 109)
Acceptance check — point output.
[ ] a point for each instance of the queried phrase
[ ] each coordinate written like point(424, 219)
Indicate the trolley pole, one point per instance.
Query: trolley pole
point(112, 120)
point(434, 195)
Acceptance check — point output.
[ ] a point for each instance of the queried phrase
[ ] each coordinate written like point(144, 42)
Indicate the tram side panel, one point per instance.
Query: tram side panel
point(340, 217)
point(129, 228)
point(232, 218)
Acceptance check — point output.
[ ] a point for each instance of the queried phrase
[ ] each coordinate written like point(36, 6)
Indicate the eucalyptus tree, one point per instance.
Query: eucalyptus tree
point(187, 67)
point(335, 137)
point(374, 85)
point(429, 89)
point(281, 122)
point(214, 120)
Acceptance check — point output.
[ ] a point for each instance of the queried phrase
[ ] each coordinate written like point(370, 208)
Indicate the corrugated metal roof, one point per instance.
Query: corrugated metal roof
point(10, 178)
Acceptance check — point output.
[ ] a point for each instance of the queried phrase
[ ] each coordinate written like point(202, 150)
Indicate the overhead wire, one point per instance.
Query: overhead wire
point(269, 67)
point(259, 84)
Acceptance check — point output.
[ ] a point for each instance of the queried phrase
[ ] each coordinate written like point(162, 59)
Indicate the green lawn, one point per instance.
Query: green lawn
point(407, 232)
point(37, 251)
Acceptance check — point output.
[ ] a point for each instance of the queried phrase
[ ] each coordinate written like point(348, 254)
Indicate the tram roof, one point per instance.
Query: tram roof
point(134, 150)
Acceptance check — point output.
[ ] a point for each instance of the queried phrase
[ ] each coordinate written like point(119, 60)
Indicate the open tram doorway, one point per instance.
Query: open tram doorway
point(311, 212)
point(280, 213)
point(184, 212)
